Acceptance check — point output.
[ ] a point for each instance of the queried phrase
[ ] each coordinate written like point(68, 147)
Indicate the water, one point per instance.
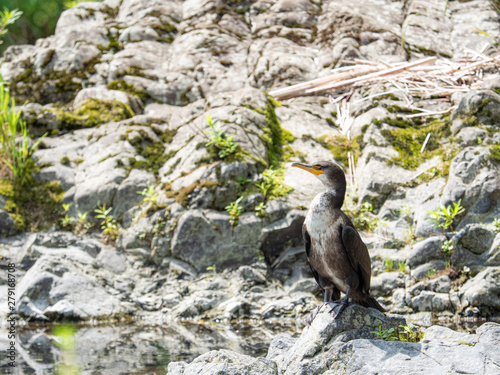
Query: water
point(134, 348)
point(142, 348)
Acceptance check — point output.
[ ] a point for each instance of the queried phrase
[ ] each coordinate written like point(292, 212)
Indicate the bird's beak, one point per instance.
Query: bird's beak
point(311, 169)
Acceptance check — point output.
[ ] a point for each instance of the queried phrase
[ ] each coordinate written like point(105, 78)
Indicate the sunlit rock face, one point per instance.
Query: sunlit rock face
point(160, 110)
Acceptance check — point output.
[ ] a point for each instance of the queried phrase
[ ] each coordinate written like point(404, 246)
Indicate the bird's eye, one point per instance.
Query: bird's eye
point(319, 168)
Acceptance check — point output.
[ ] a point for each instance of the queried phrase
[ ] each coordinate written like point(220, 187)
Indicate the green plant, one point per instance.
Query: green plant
point(389, 265)
point(363, 218)
point(109, 224)
point(410, 333)
point(267, 182)
point(447, 247)
point(386, 335)
point(234, 210)
point(406, 333)
point(242, 181)
point(68, 4)
point(430, 273)
point(16, 154)
point(407, 212)
point(496, 224)
point(260, 210)
point(402, 267)
point(216, 138)
point(149, 194)
point(212, 268)
point(8, 18)
point(67, 221)
point(444, 216)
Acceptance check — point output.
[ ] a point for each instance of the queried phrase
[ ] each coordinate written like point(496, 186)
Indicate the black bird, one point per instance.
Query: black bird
point(337, 255)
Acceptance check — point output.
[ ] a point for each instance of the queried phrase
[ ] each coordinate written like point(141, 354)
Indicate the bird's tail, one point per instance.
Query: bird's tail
point(372, 302)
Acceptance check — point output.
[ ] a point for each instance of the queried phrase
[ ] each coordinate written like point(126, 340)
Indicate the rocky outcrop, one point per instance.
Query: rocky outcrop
point(126, 90)
point(347, 346)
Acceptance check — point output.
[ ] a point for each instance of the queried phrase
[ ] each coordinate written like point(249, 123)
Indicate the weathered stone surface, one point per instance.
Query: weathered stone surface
point(426, 250)
point(483, 291)
point(224, 362)
point(205, 238)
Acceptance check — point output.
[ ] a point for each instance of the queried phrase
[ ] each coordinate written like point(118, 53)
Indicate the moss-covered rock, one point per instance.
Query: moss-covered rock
point(92, 112)
point(34, 206)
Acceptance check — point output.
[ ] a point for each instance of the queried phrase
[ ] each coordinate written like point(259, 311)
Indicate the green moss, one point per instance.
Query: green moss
point(91, 113)
point(408, 142)
point(35, 206)
point(339, 145)
point(494, 155)
point(51, 86)
point(276, 138)
point(398, 122)
point(121, 85)
point(65, 160)
point(153, 152)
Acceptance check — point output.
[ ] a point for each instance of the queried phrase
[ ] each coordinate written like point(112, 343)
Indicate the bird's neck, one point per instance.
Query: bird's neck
point(335, 196)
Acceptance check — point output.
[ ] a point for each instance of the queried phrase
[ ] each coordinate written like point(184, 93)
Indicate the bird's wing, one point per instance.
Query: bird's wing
point(307, 243)
point(358, 254)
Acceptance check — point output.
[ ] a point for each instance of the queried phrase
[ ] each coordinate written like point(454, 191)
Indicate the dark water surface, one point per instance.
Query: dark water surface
point(142, 348)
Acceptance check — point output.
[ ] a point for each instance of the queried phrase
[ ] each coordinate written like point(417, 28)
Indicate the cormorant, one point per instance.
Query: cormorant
point(337, 255)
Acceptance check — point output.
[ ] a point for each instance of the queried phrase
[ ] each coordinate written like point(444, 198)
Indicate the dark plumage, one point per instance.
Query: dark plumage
point(338, 258)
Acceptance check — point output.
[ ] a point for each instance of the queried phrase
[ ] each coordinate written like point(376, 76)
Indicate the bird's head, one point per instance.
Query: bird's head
point(329, 173)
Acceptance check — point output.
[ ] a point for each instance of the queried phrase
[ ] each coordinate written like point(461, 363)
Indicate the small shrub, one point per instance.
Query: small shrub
point(16, 155)
point(260, 210)
point(149, 194)
point(109, 224)
point(447, 247)
point(234, 210)
point(402, 267)
point(389, 265)
point(444, 216)
point(217, 139)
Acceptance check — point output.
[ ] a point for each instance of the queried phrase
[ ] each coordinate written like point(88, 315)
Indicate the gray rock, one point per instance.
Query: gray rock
point(426, 250)
point(482, 105)
point(430, 301)
point(471, 136)
point(385, 283)
point(476, 185)
point(112, 260)
point(224, 362)
point(283, 233)
point(483, 291)
point(205, 238)
point(102, 93)
point(475, 238)
point(7, 224)
point(312, 351)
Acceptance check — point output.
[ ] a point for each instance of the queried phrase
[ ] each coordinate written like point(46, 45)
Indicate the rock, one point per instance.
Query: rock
point(475, 238)
point(7, 224)
point(430, 301)
point(426, 250)
point(480, 107)
point(471, 136)
point(483, 291)
point(112, 260)
point(385, 283)
point(282, 233)
point(224, 362)
point(313, 349)
point(205, 238)
point(476, 185)
point(101, 93)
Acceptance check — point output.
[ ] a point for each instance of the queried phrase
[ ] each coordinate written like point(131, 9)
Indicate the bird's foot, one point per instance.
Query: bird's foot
point(336, 307)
